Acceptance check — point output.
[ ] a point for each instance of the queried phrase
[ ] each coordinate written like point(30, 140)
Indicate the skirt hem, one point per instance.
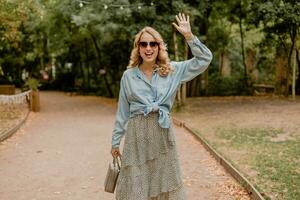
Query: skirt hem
point(177, 187)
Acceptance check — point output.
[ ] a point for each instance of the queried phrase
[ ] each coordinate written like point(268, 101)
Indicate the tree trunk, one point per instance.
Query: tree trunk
point(98, 53)
point(298, 78)
point(45, 48)
point(243, 52)
point(221, 62)
point(251, 66)
point(178, 94)
point(205, 78)
point(281, 73)
point(87, 63)
point(293, 36)
point(183, 86)
point(194, 87)
point(224, 64)
point(294, 74)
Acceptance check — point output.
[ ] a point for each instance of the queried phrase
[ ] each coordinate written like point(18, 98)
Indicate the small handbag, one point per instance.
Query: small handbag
point(112, 175)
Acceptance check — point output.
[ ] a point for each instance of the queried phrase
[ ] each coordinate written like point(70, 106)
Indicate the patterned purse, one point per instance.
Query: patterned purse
point(112, 175)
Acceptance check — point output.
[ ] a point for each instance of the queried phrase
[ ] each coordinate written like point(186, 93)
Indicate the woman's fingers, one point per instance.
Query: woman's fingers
point(180, 16)
point(183, 16)
point(174, 24)
point(116, 153)
point(177, 19)
point(183, 21)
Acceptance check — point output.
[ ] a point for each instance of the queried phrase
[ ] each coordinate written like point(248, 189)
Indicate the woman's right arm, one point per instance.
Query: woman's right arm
point(122, 115)
point(189, 69)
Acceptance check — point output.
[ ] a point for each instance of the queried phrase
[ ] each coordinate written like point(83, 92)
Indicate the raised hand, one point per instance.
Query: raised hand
point(183, 26)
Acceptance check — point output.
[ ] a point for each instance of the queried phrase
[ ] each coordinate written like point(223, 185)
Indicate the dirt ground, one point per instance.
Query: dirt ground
point(277, 112)
point(63, 151)
point(208, 114)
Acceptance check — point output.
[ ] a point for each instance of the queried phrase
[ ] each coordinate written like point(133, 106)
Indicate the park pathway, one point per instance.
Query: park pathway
point(63, 151)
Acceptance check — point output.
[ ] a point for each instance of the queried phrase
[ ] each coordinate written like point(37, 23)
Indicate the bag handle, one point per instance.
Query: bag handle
point(116, 160)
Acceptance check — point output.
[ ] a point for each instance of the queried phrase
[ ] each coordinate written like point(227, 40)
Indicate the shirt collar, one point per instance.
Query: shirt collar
point(138, 71)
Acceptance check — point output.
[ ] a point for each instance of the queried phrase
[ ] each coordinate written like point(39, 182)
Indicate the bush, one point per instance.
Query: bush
point(32, 83)
point(5, 81)
point(226, 86)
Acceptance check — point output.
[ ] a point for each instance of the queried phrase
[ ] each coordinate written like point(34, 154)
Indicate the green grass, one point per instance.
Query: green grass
point(277, 163)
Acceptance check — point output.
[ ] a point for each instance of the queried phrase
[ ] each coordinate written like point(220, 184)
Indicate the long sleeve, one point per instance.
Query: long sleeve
point(122, 115)
point(189, 69)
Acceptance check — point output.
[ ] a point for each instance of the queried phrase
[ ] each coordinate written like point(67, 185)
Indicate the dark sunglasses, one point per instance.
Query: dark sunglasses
point(145, 44)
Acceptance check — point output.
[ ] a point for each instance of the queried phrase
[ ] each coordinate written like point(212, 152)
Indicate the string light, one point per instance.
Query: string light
point(81, 3)
point(120, 6)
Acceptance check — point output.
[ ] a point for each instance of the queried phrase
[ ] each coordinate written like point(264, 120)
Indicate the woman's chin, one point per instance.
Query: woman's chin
point(148, 60)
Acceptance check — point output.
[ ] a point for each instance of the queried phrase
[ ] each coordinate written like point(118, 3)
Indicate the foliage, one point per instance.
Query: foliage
point(35, 35)
point(32, 83)
point(226, 86)
point(281, 22)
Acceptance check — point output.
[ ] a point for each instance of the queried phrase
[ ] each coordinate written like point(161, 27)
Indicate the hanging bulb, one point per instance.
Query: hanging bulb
point(121, 8)
point(105, 6)
point(139, 7)
point(80, 4)
point(151, 3)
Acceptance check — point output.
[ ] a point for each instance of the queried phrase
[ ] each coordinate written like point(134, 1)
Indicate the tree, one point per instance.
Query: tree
point(281, 22)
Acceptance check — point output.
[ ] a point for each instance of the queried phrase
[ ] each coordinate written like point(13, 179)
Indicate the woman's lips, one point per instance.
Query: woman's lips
point(148, 55)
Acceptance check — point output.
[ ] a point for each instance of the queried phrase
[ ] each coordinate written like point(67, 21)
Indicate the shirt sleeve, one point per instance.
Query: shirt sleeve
point(189, 69)
point(122, 115)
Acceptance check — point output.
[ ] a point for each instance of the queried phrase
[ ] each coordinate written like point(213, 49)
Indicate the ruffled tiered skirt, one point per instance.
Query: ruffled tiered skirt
point(150, 167)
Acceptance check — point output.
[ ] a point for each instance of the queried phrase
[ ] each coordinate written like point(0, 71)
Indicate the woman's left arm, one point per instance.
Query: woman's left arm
point(189, 69)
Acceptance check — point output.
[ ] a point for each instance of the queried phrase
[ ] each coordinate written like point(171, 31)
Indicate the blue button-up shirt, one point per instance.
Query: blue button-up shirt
point(139, 95)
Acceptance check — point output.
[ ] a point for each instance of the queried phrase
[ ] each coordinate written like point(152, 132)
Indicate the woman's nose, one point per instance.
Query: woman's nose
point(148, 47)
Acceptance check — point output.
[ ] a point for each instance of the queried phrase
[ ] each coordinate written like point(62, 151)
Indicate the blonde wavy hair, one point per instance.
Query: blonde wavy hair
point(162, 60)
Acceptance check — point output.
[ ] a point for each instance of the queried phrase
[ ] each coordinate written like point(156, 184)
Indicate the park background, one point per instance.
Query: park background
point(84, 46)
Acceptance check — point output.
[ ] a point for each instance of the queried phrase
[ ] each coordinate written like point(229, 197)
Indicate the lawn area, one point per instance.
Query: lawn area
point(259, 135)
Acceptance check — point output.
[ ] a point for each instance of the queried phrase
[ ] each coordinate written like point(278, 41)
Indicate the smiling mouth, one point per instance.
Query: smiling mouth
point(148, 55)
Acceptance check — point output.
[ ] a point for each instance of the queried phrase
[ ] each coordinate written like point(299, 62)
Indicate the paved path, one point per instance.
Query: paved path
point(62, 153)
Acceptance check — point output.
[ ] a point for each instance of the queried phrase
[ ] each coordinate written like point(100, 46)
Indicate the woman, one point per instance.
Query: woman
point(150, 168)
